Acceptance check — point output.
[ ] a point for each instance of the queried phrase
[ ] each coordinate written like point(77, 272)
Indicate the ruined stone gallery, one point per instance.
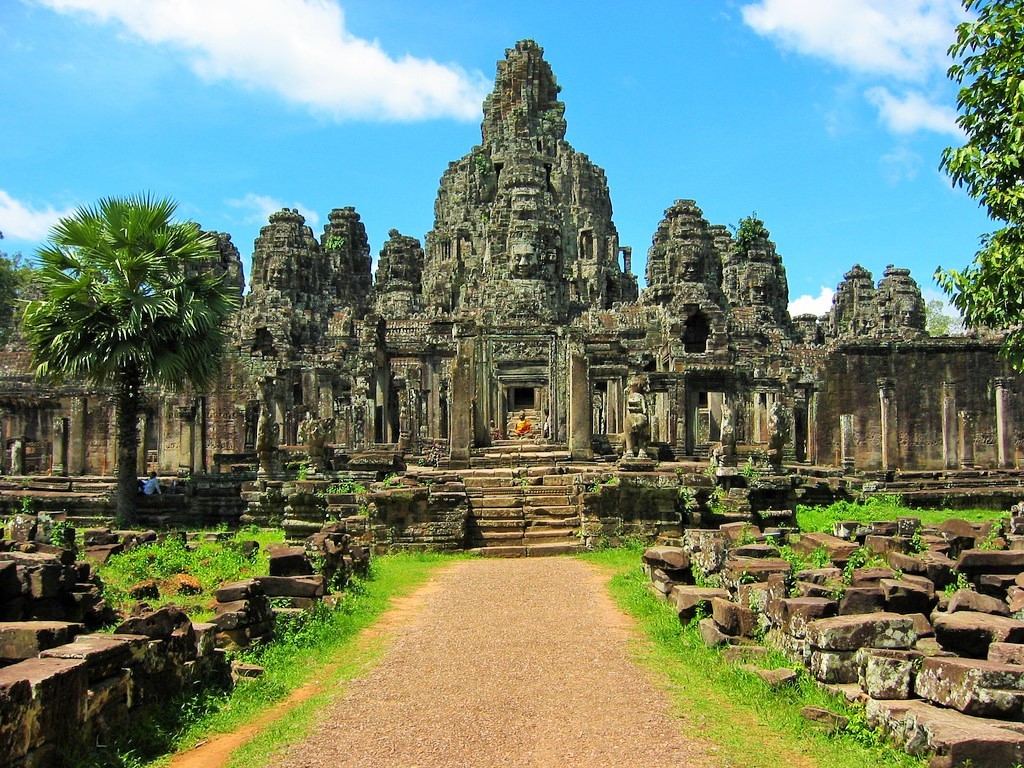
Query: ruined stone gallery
point(521, 307)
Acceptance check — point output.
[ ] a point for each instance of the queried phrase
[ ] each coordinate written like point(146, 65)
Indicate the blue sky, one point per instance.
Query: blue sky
point(827, 117)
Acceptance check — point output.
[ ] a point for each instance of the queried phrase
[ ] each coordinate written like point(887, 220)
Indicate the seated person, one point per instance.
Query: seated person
point(152, 485)
point(523, 425)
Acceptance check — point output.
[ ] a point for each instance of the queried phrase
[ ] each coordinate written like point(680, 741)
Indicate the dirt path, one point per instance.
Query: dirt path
point(507, 663)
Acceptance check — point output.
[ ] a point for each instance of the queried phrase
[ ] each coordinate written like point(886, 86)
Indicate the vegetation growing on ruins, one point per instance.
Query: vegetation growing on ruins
point(754, 724)
point(750, 230)
point(322, 647)
point(129, 297)
point(988, 58)
point(884, 507)
point(209, 562)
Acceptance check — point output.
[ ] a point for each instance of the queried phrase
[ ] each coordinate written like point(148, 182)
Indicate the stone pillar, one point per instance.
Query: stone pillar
point(461, 417)
point(890, 439)
point(59, 458)
point(847, 442)
point(199, 436)
point(966, 419)
point(140, 456)
point(812, 428)
point(949, 426)
point(580, 411)
point(1006, 453)
point(76, 436)
point(18, 456)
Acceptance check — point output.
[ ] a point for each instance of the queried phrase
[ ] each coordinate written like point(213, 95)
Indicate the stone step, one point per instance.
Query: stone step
point(552, 522)
point(510, 513)
point(541, 534)
point(500, 551)
point(554, 548)
point(497, 502)
point(498, 538)
point(565, 510)
point(501, 525)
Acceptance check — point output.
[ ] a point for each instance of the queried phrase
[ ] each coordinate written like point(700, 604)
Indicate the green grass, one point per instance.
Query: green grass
point(211, 562)
point(753, 724)
point(886, 507)
point(326, 642)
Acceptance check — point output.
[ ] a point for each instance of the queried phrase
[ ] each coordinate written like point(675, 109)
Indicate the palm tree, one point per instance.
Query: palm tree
point(129, 298)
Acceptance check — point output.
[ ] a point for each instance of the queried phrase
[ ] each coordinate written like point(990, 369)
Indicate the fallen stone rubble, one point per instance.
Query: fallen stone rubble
point(939, 668)
point(64, 687)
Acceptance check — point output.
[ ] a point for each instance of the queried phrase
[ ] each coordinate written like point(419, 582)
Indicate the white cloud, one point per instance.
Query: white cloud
point(905, 39)
point(901, 164)
point(812, 305)
point(912, 112)
point(299, 49)
point(259, 208)
point(21, 221)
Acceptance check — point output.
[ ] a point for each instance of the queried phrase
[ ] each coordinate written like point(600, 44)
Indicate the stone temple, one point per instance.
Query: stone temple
point(521, 300)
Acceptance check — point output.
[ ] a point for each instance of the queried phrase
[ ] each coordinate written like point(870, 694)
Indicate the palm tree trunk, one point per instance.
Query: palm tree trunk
point(127, 403)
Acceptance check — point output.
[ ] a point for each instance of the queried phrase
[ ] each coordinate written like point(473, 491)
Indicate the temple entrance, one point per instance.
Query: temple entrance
point(705, 427)
point(522, 398)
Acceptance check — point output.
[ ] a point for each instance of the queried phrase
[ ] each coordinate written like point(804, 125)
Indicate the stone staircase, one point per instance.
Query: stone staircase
point(520, 513)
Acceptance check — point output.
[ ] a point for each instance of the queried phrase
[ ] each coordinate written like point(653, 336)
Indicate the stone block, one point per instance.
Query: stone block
point(905, 596)
point(667, 558)
point(59, 697)
point(733, 619)
point(793, 614)
point(933, 566)
point(104, 655)
point(738, 570)
point(289, 561)
point(155, 624)
point(839, 550)
point(848, 633)
point(833, 667)
point(691, 600)
point(821, 576)
point(975, 687)
point(888, 674)
point(206, 637)
point(1006, 653)
point(755, 550)
point(774, 678)
point(970, 634)
point(861, 600)
point(15, 712)
point(229, 592)
point(869, 577)
point(976, 561)
point(25, 639)
point(711, 635)
point(955, 739)
point(882, 545)
point(969, 600)
point(10, 584)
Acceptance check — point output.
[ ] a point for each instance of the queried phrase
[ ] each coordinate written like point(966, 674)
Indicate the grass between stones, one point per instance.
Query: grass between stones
point(885, 507)
point(322, 652)
point(752, 724)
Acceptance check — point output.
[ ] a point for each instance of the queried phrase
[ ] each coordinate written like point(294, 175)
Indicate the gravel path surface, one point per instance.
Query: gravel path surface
point(506, 663)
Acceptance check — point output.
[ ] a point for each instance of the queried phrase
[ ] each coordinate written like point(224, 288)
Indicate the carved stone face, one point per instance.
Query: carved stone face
point(525, 264)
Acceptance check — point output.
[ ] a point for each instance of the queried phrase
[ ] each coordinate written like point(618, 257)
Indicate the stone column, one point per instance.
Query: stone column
point(966, 419)
point(461, 417)
point(890, 440)
point(199, 436)
point(76, 436)
point(1006, 453)
point(59, 458)
point(140, 456)
point(949, 426)
point(580, 412)
point(847, 442)
point(812, 428)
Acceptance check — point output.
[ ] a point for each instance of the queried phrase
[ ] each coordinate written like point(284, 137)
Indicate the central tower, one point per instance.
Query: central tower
point(523, 228)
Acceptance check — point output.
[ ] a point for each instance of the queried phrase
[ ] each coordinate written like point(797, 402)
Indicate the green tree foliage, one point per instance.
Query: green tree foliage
point(938, 322)
point(750, 230)
point(989, 66)
point(129, 297)
point(14, 276)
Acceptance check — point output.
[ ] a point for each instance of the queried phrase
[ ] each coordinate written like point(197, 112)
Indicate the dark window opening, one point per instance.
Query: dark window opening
point(521, 398)
point(695, 334)
point(263, 342)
